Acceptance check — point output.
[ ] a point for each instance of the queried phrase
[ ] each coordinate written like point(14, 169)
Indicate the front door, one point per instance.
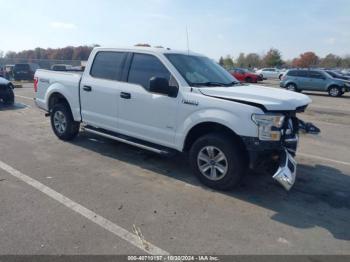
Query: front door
point(317, 81)
point(142, 114)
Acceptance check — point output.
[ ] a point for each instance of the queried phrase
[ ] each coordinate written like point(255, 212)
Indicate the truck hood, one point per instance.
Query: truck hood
point(266, 98)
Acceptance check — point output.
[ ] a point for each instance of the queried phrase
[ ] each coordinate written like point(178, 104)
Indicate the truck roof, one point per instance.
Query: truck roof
point(154, 50)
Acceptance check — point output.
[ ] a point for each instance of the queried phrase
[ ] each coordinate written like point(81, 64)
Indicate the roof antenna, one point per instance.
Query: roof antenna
point(188, 42)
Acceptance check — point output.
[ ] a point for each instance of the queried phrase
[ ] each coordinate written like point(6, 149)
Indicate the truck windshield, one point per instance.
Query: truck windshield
point(201, 71)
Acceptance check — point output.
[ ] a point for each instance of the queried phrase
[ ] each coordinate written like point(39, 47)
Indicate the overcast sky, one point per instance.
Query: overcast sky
point(216, 27)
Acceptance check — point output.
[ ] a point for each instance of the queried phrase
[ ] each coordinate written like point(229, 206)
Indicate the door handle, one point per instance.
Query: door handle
point(87, 88)
point(125, 95)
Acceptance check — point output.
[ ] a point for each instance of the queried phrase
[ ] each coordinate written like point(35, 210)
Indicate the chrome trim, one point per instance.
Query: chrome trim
point(154, 150)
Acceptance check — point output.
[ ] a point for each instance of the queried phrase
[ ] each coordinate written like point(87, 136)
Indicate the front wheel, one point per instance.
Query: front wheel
point(217, 162)
point(9, 98)
point(334, 91)
point(62, 122)
point(249, 80)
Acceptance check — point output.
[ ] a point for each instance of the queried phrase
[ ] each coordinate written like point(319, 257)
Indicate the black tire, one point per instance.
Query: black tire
point(292, 87)
point(249, 80)
point(234, 157)
point(334, 91)
point(70, 129)
point(9, 97)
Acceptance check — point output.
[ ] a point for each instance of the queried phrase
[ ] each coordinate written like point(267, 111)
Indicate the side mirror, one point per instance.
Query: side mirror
point(161, 85)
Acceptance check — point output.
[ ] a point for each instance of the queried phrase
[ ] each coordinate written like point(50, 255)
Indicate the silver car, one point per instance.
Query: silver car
point(314, 80)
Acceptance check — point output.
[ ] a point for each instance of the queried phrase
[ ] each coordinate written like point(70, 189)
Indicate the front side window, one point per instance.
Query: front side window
point(144, 67)
point(108, 65)
point(302, 73)
point(315, 74)
point(292, 73)
point(201, 71)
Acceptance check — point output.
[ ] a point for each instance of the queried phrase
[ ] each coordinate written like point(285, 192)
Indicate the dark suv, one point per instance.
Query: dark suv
point(24, 71)
point(314, 80)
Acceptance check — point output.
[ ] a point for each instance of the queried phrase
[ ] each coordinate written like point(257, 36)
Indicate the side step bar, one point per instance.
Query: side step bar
point(130, 141)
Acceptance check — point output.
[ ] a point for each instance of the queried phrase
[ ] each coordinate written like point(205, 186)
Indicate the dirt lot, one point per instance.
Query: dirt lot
point(78, 197)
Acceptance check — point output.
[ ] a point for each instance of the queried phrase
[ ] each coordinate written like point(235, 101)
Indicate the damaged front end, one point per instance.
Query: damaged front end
point(276, 156)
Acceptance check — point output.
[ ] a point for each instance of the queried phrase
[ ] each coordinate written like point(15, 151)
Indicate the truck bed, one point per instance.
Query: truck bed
point(68, 84)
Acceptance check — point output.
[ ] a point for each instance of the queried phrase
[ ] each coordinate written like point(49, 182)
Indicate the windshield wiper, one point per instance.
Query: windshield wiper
point(214, 84)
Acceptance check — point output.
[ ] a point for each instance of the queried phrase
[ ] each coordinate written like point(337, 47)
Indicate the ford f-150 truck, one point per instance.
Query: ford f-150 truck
point(168, 101)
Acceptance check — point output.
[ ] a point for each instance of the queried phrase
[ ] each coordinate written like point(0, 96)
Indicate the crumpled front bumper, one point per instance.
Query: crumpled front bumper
point(287, 170)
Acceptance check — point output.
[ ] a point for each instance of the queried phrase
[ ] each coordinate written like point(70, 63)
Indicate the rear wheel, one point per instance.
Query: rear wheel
point(217, 162)
point(249, 79)
point(62, 122)
point(334, 91)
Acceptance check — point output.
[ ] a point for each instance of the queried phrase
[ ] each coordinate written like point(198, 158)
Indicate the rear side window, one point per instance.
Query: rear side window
point(144, 67)
point(108, 65)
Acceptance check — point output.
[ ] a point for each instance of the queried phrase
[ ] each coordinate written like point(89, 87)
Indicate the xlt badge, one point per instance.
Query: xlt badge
point(190, 102)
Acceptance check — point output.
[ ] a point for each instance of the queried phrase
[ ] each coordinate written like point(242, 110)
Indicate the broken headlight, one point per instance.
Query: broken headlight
point(269, 126)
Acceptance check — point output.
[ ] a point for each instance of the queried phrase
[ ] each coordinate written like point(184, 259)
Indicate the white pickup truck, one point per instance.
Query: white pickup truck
point(168, 101)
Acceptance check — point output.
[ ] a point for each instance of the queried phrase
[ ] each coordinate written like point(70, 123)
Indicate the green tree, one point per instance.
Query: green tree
point(331, 61)
point(252, 60)
point(346, 62)
point(221, 61)
point(241, 60)
point(273, 58)
point(228, 62)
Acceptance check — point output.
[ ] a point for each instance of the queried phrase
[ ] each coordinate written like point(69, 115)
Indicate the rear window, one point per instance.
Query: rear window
point(22, 67)
point(108, 65)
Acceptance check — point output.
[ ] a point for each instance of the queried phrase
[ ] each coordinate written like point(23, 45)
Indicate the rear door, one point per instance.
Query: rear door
point(100, 88)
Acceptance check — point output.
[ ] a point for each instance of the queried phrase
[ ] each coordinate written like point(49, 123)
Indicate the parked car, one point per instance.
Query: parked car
point(338, 75)
point(314, 80)
point(169, 101)
point(270, 73)
point(245, 75)
point(7, 96)
point(24, 71)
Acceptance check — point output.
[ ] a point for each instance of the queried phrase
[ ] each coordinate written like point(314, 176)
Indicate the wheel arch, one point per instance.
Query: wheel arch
point(208, 127)
point(333, 85)
point(60, 93)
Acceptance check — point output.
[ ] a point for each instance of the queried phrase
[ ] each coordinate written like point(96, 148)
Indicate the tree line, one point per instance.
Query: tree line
point(273, 58)
point(66, 53)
